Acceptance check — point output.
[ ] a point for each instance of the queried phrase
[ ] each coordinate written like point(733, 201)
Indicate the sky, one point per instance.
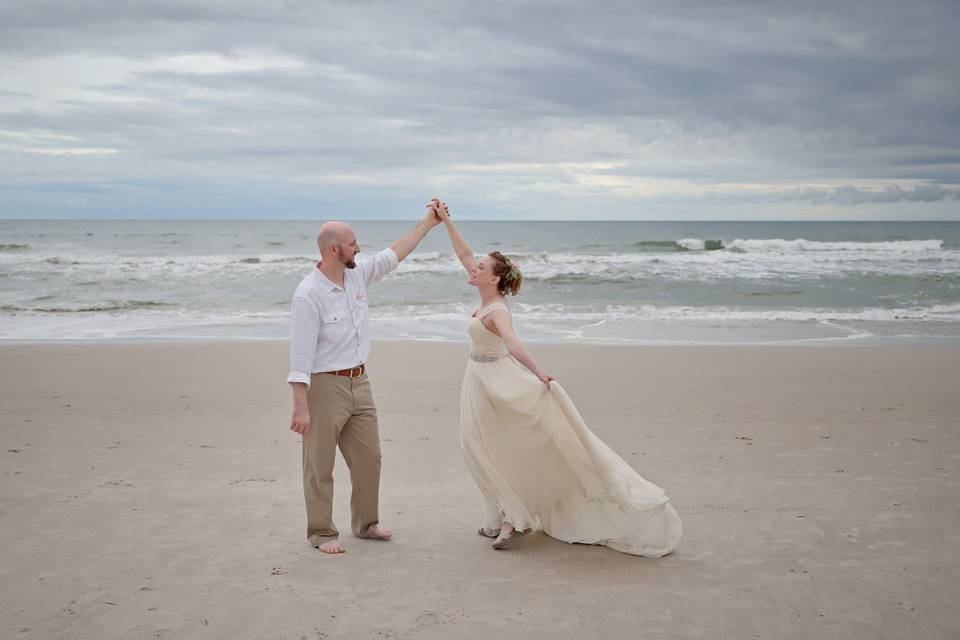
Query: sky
point(506, 110)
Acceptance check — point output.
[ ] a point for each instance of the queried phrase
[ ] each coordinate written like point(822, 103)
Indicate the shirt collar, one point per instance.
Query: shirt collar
point(324, 280)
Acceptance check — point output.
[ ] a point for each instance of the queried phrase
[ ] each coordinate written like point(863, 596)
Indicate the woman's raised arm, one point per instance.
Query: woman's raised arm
point(460, 246)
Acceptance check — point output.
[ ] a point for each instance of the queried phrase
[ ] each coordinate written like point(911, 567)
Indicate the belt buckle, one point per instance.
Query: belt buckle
point(359, 371)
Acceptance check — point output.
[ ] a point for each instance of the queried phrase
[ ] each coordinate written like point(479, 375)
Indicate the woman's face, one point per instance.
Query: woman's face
point(482, 275)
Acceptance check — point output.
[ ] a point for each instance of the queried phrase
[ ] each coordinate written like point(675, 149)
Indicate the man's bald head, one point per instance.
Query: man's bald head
point(337, 242)
point(333, 233)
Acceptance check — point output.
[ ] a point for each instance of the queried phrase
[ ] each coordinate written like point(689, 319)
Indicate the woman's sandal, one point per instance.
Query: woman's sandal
point(506, 542)
point(483, 531)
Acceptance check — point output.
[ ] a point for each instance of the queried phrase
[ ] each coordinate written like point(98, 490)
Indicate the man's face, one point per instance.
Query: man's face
point(346, 252)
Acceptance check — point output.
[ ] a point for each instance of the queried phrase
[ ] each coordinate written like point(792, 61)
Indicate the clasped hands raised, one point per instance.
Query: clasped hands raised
point(440, 210)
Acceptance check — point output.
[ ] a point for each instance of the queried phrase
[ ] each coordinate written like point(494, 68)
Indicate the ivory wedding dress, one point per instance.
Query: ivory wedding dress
point(540, 467)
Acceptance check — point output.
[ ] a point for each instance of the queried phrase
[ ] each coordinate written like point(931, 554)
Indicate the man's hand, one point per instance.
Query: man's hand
point(431, 219)
point(300, 422)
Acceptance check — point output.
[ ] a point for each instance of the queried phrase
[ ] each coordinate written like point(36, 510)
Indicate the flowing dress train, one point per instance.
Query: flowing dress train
point(539, 466)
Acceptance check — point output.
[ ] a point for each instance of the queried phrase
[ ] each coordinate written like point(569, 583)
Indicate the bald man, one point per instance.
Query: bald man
point(332, 402)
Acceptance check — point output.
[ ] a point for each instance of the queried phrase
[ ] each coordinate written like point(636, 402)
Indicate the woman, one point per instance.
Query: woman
point(534, 459)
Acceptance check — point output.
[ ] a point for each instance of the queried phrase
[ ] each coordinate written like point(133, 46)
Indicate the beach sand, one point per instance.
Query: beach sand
point(153, 490)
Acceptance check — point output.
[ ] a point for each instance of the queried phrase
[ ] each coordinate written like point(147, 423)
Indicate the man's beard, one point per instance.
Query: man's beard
point(349, 264)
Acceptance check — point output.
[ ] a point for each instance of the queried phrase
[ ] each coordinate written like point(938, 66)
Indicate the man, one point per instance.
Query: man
point(332, 401)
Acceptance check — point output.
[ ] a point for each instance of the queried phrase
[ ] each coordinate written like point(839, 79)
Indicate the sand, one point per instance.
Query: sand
point(152, 490)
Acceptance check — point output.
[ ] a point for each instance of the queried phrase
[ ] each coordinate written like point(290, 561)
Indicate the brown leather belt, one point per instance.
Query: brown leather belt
point(356, 372)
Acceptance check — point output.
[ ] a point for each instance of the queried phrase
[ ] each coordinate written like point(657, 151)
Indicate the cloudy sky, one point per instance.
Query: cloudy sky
point(553, 109)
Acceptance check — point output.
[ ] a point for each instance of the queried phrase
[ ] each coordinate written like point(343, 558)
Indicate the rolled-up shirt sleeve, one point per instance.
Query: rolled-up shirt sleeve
point(304, 330)
point(375, 268)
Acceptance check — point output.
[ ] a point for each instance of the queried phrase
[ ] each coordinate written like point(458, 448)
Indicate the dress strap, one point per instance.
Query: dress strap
point(485, 311)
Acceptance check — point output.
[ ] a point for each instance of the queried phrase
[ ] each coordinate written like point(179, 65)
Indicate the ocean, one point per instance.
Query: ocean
point(585, 282)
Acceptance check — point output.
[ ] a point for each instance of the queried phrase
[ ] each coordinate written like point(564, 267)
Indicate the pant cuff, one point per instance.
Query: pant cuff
point(316, 540)
point(366, 531)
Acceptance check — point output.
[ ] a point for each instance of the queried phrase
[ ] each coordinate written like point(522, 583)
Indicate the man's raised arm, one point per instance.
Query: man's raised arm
point(405, 245)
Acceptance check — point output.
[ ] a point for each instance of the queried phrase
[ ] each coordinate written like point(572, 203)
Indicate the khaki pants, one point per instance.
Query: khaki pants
point(342, 414)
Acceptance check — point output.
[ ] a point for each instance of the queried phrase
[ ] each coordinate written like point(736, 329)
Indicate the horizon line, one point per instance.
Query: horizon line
point(791, 220)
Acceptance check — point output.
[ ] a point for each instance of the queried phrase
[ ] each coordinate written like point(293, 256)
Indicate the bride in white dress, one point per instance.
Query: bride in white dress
point(529, 450)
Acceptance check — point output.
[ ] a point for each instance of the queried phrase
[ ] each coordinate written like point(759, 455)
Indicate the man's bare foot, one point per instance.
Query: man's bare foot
point(332, 547)
point(380, 533)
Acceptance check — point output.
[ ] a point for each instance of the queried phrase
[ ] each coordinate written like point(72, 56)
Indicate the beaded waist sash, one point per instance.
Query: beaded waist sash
point(484, 357)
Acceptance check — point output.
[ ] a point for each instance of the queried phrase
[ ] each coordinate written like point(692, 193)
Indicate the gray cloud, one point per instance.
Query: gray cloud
point(506, 105)
point(854, 195)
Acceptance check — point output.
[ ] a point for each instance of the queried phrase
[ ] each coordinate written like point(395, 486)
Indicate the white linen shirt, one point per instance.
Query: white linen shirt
point(330, 325)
